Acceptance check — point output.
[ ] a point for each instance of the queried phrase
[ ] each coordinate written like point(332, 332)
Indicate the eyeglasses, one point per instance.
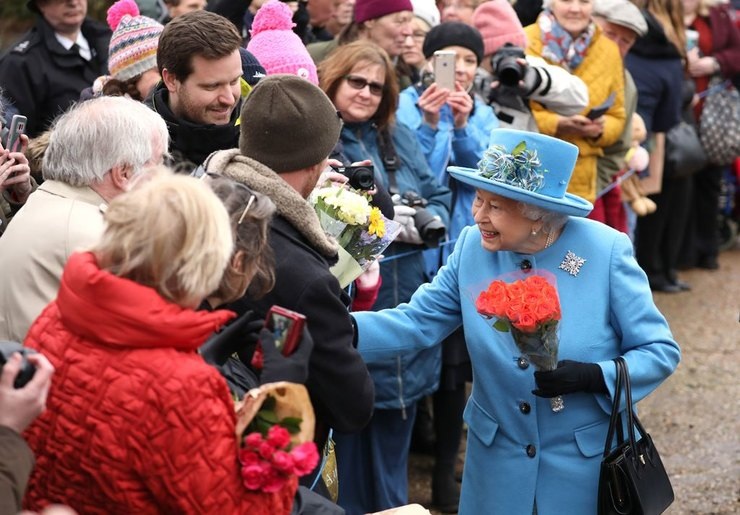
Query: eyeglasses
point(355, 82)
point(252, 196)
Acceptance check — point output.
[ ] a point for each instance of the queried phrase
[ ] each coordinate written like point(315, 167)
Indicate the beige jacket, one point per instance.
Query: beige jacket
point(57, 220)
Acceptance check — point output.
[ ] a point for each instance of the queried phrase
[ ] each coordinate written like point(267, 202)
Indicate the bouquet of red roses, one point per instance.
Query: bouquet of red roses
point(528, 307)
point(275, 427)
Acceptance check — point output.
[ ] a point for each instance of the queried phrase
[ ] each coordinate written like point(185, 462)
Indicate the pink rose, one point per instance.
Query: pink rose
point(278, 436)
point(274, 481)
point(253, 476)
point(282, 461)
point(253, 440)
point(305, 458)
point(266, 449)
point(248, 457)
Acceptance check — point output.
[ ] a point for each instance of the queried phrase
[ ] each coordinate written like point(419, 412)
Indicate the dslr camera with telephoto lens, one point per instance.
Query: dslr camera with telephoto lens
point(430, 228)
point(506, 66)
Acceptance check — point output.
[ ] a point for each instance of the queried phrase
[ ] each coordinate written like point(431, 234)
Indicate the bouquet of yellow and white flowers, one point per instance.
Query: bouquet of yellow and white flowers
point(360, 229)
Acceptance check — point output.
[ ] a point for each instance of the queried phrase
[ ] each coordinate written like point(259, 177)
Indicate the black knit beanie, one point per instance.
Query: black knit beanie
point(288, 124)
point(453, 33)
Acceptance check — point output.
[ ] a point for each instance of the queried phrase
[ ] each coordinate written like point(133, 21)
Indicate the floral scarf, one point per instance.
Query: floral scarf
point(559, 47)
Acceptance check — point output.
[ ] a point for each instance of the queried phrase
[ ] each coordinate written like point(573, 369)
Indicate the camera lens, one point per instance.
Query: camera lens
point(362, 179)
point(509, 72)
point(430, 228)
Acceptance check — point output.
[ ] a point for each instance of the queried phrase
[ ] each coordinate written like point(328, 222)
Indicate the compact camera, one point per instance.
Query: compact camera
point(27, 370)
point(506, 66)
point(430, 228)
point(359, 177)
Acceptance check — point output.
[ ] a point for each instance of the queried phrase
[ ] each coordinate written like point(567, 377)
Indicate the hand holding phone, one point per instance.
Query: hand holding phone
point(444, 69)
point(285, 328)
point(16, 130)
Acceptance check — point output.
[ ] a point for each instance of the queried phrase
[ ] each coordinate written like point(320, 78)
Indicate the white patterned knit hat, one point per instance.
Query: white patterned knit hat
point(133, 46)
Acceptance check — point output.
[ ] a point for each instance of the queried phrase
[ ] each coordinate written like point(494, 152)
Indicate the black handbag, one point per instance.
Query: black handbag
point(684, 153)
point(633, 480)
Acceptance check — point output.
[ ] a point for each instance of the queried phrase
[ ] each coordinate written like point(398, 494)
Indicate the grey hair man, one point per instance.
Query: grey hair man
point(97, 150)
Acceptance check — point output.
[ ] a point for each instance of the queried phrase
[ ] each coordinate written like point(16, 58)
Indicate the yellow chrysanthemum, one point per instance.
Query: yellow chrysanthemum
point(377, 224)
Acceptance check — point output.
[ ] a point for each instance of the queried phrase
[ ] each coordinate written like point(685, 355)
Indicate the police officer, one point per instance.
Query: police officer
point(52, 63)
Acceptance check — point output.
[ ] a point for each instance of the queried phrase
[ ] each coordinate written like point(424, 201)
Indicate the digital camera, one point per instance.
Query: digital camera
point(359, 177)
point(430, 228)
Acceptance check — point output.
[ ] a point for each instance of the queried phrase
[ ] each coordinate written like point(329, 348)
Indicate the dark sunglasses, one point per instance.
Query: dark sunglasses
point(355, 82)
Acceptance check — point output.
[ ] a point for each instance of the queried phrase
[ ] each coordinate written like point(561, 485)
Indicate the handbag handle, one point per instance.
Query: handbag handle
point(615, 419)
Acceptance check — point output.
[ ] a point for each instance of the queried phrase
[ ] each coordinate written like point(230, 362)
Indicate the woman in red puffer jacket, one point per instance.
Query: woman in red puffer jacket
point(136, 421)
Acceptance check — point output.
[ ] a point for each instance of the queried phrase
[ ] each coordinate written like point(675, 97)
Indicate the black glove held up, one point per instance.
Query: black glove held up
point(239, 336)
point(293, 368)
point(570, 377)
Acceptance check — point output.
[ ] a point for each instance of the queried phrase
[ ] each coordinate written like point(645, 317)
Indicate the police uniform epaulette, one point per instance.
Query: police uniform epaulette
point(31, 40)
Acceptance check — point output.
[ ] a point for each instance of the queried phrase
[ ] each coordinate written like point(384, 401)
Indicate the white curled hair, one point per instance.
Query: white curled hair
point(95, 136)
point(551, 220)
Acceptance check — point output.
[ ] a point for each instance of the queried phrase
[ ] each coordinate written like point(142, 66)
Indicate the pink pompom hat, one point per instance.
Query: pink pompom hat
point(276, 46)
point(133, 46)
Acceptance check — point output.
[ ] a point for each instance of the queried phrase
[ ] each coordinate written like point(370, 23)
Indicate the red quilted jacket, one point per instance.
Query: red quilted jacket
point(136, 421)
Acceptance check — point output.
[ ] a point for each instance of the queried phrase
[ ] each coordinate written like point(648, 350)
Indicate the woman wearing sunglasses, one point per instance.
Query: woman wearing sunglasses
point(360, 80)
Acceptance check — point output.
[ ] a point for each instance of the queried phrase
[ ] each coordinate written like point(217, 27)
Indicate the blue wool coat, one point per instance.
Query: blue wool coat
point(518, 450)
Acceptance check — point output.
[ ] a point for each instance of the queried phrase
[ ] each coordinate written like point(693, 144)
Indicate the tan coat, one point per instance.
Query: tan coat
point(56, 220)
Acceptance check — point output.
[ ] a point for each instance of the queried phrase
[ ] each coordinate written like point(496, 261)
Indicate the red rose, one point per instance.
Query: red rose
point(527, 323)
point(278, 437)
point(253, 440)
point(253, 476)
point(282, 461)
point(305, 458)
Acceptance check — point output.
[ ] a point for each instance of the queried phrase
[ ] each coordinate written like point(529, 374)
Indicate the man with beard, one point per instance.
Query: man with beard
point(199, 96)
point(45, 71)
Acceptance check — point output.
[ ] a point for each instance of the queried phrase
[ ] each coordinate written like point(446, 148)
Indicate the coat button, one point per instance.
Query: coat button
point(526, 265)
point(524, 407)
point(522, 362)
point(531, 451)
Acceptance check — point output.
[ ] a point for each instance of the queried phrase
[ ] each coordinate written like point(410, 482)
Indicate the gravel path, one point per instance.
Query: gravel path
point(694, 417)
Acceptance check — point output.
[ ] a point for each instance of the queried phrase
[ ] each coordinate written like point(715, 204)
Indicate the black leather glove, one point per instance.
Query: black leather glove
point(293, 368)
point(240, 336)
point(570, 377)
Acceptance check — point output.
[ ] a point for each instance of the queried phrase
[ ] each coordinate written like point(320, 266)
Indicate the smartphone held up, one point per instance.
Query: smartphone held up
point(17, 128)
point(286, 327)
point(444, 69)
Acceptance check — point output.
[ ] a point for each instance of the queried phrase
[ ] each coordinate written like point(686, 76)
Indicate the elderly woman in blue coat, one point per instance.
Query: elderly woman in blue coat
point(521, 455)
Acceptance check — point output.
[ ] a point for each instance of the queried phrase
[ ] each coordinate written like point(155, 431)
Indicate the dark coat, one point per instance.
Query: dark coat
point(339, 384)
point(42, 79)
point(16, 462)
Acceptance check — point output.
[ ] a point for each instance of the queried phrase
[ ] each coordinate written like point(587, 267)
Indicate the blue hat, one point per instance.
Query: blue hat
point(528, 167)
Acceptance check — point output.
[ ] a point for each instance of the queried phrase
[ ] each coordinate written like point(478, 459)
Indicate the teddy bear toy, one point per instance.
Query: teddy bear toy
point(637, 159)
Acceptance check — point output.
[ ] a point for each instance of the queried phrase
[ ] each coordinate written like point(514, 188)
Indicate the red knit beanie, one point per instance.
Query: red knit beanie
point(372, 9)
point(497, 23)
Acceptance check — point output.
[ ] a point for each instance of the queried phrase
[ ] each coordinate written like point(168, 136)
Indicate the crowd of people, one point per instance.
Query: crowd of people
point(157, 179)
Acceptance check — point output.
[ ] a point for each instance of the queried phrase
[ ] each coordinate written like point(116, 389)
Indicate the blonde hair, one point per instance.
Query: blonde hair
point(171, 233)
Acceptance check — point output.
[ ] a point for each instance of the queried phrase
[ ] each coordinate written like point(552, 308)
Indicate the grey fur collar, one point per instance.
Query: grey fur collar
point(290, 205)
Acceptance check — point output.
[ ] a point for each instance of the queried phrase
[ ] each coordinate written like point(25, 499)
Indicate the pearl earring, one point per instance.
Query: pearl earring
point(534, 231)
